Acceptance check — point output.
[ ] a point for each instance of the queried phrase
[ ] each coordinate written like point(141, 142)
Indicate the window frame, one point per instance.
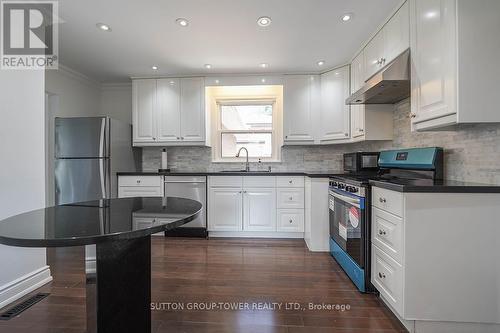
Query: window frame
point(275, 130)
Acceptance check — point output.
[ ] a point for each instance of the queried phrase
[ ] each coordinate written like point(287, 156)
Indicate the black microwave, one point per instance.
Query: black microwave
point(360, 161)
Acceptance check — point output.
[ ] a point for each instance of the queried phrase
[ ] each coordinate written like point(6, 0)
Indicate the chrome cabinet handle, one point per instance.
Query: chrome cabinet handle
point(381, 275)
point(138, 182)
point(382, 200)
point(381, 232)
point(290, 181)
point(361, 130)
point(413, 115)
point(346, 134)
point(291, 221)
point(291, 198)
point(178, 138)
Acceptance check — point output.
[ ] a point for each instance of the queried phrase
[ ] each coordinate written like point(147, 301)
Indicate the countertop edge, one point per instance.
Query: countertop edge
point(436, 188)
point(236, 173)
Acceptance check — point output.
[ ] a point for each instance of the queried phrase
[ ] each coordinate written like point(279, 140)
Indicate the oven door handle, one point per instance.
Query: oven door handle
point(352, 201)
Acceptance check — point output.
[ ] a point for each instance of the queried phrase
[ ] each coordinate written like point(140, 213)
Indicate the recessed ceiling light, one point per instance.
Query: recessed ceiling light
point(155, 68)
point(347, 17)
point(264, 21)
point(103, 27)
point(208, 66)
point(264, 65)
point(321, 63)
point(182, 22)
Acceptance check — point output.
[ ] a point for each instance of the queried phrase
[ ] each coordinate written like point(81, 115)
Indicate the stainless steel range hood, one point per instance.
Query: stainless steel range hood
point(388, 86)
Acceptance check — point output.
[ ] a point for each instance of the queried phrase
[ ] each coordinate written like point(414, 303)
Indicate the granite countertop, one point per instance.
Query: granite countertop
point(83, 223)
point(434, 186)
point(231, 173)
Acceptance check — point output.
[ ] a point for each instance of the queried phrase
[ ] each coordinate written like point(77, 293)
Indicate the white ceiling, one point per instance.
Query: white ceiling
point(223, 33)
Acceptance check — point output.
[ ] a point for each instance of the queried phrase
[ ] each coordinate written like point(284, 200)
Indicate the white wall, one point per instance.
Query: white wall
point(116, 101)
point(22, 180)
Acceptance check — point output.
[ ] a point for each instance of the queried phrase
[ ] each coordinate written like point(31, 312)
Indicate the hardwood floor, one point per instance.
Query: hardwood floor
point(195, 272)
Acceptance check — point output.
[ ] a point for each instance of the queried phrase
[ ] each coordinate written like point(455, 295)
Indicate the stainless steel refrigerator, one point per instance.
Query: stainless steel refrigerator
point(88, 153)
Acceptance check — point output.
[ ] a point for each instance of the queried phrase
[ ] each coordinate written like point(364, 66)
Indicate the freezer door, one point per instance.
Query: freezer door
point(82, 137)
point(78, 180)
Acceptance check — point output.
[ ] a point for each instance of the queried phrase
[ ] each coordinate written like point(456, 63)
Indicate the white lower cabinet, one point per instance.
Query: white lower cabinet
point(224, 210)
point(259, 209)
point(254, 206)
point(387, 277)
point(291, 220)
point(140, 186)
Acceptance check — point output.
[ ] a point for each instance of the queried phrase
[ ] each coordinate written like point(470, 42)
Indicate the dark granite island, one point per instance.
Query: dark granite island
point(119, 289)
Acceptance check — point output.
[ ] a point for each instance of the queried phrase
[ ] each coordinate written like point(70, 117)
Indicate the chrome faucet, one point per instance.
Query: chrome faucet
point(247, 164)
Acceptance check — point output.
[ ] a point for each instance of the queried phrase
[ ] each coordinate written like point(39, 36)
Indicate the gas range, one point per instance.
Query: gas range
point(356, 184)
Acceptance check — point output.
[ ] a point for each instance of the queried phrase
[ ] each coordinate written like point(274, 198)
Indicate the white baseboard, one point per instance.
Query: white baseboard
point(255, 234)
point(18, 288)
point(315, 248)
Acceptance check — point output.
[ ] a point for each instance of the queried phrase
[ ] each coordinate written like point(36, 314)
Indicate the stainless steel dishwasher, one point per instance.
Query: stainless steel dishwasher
point(189, 187)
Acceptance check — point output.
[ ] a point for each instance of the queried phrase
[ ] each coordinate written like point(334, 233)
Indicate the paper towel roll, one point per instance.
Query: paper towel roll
point(164, 159)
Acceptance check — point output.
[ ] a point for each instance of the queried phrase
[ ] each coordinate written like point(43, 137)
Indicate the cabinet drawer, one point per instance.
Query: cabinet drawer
point(291, 220)
point(148, 222)
point(226, 181)
point(292, 181)
point(140, 191)
point(387, 277)
point(387, 200)
point(387, 233)
point(140, 181)
point(259, 181)
point(290, 198)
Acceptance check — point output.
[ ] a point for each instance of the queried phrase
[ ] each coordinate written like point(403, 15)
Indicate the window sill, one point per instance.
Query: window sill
point(243, 161)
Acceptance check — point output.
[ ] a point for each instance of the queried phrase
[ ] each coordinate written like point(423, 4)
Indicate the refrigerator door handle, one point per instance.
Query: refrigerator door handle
point(102, 175)
point(102, 138)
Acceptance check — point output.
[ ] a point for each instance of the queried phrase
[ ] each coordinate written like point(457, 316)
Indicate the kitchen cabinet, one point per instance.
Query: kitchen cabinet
point(409, 228)
point(301, 94)
point(452, 59)
point(248, 206)
point(335, 115)
point(144, 107)
point(192, 109)
point(388, 43)
point(370, 121)
point(140, 186)
point(169, 112)
point(225, 209)
point(259, 209)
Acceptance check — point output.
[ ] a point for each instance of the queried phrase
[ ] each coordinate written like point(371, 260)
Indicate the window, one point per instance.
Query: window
point(249, 124)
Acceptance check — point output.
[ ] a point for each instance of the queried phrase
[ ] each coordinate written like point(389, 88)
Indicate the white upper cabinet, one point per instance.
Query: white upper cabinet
point(143, 110)
point(452, 59)
point(374, 55)
point(335, 118)
point(169, 112)
point(397, 33)
point(192, 109)
point(300, 93)
point(357, 81)
point(169, 107)
point(388, 43)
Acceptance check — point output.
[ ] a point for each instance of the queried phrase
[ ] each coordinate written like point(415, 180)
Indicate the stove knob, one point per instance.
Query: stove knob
point(354, 190)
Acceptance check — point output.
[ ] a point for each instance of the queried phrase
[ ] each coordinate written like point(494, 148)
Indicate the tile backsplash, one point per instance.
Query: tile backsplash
point(472, 152)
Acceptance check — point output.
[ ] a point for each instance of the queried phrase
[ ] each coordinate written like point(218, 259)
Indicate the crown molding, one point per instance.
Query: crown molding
point(78, 76)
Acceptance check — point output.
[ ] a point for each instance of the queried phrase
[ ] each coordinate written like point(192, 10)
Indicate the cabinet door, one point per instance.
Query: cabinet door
point(259, 209)
point(357, 81)
point(357, 72)
point(373, 54)
point(192, 109)
point(297, 110)
point(397, 34)
point(225, 209)
point(433, 50)
point(168, 110)
point(334, 112)
point(143, 110)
